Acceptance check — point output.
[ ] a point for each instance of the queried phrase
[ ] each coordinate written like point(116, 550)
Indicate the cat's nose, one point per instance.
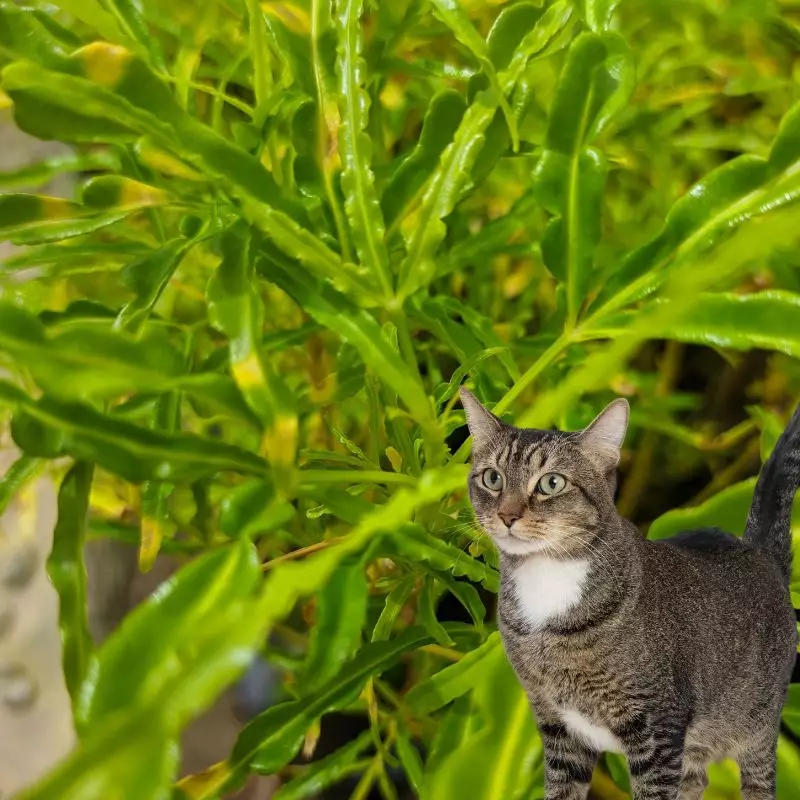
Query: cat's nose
point(509, 517)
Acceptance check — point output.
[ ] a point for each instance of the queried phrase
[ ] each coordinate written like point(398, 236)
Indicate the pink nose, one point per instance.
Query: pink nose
point(509, 517)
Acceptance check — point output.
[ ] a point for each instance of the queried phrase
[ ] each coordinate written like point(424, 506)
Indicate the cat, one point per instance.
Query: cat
point(676, 653)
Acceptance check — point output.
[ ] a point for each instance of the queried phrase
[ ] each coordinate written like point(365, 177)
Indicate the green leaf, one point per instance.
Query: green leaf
point(43, 172)
point(438, 128)
point(358, 182)
point(409, 758)
point(148, 277)
point(32, 219)
point(395, 601)
point(259, 50)
point(327, 771)
point(598, 13)
point(341, 612)
point(455, 680)
point(82, 361)
point(426, 614)
point(416, 544)
point(788, 769)
point(765, 320)
point(424, 229)
point(22, 35)
point(236, 309)
point(570, 176)
point(17, 475)
point(156, 524)
point(451, 13)
point(145, 654)
point(747, 187)
point(504, 738)
point(358, 328)
point(52, 428)
point(727, 510)
point(67, 573)
point(273, 738)
point(252, 509)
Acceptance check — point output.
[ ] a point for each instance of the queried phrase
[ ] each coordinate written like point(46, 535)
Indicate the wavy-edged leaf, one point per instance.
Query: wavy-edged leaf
point(67, 573)
point(327, 771)
point(424, 229)
point(393, 605)
point(24, 469)
point(416, 544)
point(273, 738)
point(746, 187)
point(341, 611)
point(768, 320)
point(438, 128)
point(51, 428)
point(570, 176)
point(452, 14)
point(454, 680)
point(32, 219)
point(167, 662)
point(358, 183)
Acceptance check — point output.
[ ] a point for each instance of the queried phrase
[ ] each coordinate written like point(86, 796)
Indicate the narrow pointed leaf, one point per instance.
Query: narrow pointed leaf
point(358, 182)
point(52, 428)
point(747, 187)
point(453, 15)
point(67, 573)
point(766, 320)
point(341, 611)
point(570, 177)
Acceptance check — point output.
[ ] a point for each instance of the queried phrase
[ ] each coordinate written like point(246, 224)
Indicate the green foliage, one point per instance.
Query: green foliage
point(297, 229)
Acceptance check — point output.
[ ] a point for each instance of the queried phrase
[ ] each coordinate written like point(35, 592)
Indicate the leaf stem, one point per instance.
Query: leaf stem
point(303, 551)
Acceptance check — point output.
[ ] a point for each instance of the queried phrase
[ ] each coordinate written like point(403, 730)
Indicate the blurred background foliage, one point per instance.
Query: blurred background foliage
point(298, 228)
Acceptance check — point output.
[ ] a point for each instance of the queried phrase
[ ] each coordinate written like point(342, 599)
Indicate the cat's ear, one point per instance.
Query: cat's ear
point(483, 425)
point(604, 436)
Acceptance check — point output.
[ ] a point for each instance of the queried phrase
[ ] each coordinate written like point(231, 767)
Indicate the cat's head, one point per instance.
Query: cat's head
point(543, 491)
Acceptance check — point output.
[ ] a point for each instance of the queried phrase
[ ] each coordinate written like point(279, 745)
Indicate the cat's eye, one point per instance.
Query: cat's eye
point(492, 479)
point(552, 483)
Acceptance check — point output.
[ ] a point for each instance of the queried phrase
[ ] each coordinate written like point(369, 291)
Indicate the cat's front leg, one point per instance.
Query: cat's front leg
point(568, 763)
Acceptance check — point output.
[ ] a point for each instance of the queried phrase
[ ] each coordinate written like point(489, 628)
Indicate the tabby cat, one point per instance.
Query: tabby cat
point(675, 653)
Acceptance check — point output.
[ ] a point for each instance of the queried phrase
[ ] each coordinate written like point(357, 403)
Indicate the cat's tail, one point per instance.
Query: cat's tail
point(768, 524)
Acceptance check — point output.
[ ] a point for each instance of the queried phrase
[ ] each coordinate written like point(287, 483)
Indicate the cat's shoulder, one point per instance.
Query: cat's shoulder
point(710, 541)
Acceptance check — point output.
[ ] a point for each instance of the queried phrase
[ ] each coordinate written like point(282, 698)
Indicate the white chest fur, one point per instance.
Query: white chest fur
point(596, 736)
point(548, 587)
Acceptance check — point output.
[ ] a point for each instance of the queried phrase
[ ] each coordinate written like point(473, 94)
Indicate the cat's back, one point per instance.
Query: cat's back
point(710, 581)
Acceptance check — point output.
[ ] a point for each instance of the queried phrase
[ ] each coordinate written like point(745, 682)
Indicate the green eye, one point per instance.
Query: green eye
point(492, 479)
point(552, 483)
